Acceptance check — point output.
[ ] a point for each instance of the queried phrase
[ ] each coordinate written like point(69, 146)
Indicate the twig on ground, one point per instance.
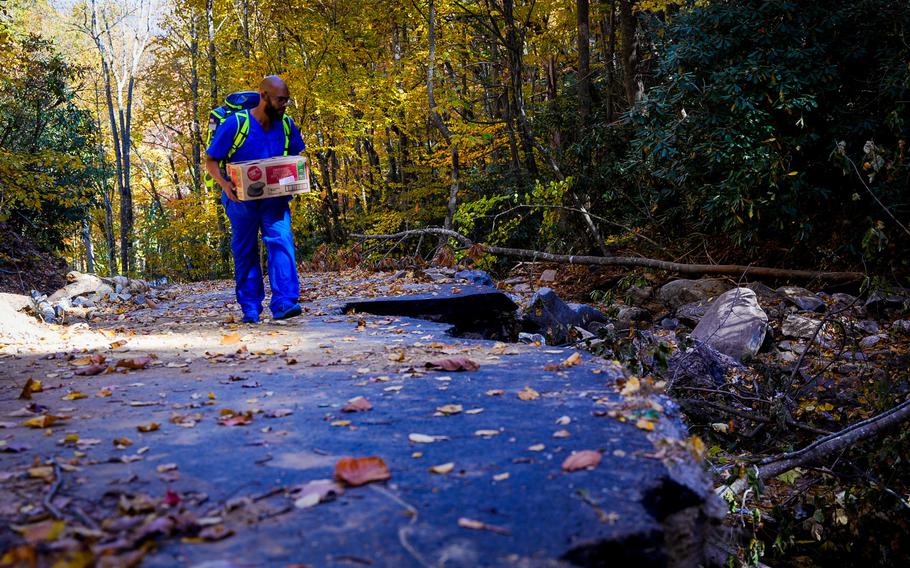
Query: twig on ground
point(48, 499)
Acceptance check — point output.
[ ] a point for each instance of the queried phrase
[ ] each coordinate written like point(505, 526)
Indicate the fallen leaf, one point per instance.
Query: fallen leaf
point(632, 386)
point(122, 442)
point(449, 409)
point(341, 423)
point(75, 395)
point(528, 394)
point(315, 492)
point(572, 360)
point(453, 364)
point(536, 448)
point(486, 433)
point(44, 472)
point(43, 421)
point(425, 439)
point(40, 532)
point(230, 338)
point(562, 434)
point(360, 471)
point(582, 460)
point(501, 476)
point(117, 344)
point(91, 370)
point(31, 386)
point(442, 469)
point(474, 411)
point(214, 533)
point(357, 404)
point(495, 392)
point(150, 427)
point(95, 359)
point(171, 499)
point(236, 419)
point(166, 467)
point(645, 424)
point(134, 363)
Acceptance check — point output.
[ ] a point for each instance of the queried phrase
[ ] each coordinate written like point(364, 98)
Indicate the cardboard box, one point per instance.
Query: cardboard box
point(274, 177)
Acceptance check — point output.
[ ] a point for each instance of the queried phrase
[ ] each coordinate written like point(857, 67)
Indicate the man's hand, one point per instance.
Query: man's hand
point(230, 190)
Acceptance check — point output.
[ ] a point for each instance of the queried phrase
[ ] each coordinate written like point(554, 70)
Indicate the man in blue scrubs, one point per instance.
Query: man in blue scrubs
point(272, 216)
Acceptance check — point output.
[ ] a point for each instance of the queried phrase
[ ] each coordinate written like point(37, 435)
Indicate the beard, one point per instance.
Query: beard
point(273, 113)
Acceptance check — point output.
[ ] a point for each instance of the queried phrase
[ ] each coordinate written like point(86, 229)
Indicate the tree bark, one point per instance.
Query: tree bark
point(628, 24)
point(194, 91)
point(87, 242)
point(584, 63)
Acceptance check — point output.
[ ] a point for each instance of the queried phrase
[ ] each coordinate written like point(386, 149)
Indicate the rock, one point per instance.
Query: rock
point(137, 286)
point(799, 326)
point(17, 326)
point(868, 326)
point(787, 357)
point(548, 275)
point(669, 323)
point(679, 292)
point(871, 341)
point(765, 294)
point(881, 301)
point(902, 326)
point(802, 298)
point(702, 366)
point(17, 302)
point(627, 315)
point(637, 295)
point(478, 277)
point(83, 302)
point(531, 338)
point(551, 316)
point(692, 312)
point(82, 285)
point(735, 324)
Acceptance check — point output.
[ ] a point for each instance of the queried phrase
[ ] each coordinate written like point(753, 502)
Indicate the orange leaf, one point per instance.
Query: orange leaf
point(91, 370)
point(360, 471)
point(582, 460)
point(453, 364)
point(134, 363)
point(357, 404)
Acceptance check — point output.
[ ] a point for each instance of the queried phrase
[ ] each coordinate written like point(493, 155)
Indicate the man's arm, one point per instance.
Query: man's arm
point(211, 166)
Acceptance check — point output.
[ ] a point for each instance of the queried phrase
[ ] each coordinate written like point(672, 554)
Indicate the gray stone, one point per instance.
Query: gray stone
point(626, 315)
point(872, 341)
point(799, 326)
point(548, 314)
point(868, 326)
point(702, 365)
point(802, 298)
point(669, 323)
point(787, 357)
point(637, 295)
point(765, 294)
point(548, 275)
point(901, 326)
point(888, 300)
point(478, 277)
point(692, 312)
point(678, 292)
point(735, 324)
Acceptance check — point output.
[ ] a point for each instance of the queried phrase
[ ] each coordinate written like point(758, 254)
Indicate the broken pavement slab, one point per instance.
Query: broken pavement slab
point(506, 500)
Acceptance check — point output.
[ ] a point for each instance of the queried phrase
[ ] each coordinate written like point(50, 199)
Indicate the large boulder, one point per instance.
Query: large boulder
point(678, 292)
point(734, 325)
point(548, 314)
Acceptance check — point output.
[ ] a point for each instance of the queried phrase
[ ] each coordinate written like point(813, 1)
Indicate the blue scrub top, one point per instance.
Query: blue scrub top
point(259, 144)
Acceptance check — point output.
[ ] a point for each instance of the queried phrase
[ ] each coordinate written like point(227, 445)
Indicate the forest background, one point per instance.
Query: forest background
point(747, 131)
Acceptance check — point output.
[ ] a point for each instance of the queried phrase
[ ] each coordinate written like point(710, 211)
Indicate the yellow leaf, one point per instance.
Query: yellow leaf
point(75, 395)
point(645, 424)
point(528, 394)
point(632, 386)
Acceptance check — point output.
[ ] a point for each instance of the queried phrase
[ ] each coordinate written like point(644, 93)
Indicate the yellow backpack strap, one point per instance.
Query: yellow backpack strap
point(242, 132)
point(286, 121)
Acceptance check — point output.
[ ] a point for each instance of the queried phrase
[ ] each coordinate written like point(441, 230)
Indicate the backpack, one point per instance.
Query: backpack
point(238, 103)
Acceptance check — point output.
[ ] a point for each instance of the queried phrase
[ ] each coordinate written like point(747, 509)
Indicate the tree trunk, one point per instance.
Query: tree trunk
point(126, 192)
point(441, 126)
point(584, 63)
point(628, 24)
point(87, 241)
point(196, 164)
point(514, 48)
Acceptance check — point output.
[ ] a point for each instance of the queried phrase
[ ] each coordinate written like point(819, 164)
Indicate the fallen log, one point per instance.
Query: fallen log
point(737, 270)
point(824, 447)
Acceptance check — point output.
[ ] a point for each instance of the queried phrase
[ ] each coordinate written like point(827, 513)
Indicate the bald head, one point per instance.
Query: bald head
point(273, 97)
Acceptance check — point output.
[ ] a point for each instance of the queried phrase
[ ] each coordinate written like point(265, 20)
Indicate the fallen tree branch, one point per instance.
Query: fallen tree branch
point(740, 271)
point(825, 446)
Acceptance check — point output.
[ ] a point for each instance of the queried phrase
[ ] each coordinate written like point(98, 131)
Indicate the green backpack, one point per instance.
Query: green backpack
point(240, 104)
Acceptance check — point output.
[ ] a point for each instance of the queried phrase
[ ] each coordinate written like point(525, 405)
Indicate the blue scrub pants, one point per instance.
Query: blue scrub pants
point(273, 217)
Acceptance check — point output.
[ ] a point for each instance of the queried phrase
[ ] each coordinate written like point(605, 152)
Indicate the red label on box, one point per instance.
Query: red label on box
point(275, 174)
point(254, 173)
